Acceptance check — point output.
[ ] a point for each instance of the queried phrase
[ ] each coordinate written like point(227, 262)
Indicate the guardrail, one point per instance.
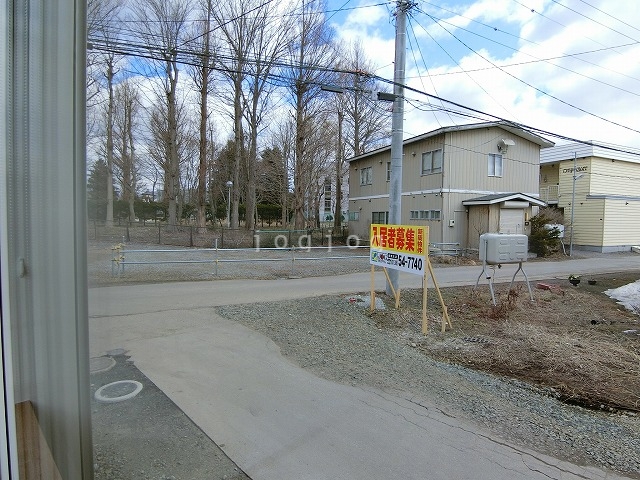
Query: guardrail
point(122, 256)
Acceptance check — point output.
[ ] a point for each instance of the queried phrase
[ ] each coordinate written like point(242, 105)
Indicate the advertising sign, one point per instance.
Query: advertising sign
point(399, 247)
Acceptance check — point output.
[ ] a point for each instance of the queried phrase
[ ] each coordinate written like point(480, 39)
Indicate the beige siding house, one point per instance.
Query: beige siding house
point(461, 181)
point(606, 210)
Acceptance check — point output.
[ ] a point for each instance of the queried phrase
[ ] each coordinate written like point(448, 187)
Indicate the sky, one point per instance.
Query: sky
point(570, 67)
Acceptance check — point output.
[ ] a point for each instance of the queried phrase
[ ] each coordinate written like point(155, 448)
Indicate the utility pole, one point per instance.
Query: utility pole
point(397, 120)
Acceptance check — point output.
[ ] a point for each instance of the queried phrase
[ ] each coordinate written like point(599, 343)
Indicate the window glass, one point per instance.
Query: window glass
point(495, 164)
point(379, 217)
point(432, 162)
point(366, 176)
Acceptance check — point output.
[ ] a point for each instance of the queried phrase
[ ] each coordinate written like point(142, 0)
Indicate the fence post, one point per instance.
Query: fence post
point(216, 257)
point(191, 235)
point(293, 258)
point(221, 239)
point(128, 234)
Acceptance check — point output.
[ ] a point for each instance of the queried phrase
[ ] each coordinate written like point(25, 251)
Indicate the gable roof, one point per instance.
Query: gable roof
point(584, 150)
point(509, 127)
point(503, 197)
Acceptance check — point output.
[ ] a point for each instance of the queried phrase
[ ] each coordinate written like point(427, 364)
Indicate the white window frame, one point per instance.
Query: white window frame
point(495, 163)
point(366, 176)
point(388, 171)
point(354, 216)
point(432, 162)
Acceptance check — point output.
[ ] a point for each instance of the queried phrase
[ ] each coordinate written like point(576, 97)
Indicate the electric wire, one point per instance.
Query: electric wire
point(592, 20)
point(460, 67)
point(140, 51)
point(439, 20)
point(610, 16)
point(415, 61)
point(517, 37)
point(538, 89)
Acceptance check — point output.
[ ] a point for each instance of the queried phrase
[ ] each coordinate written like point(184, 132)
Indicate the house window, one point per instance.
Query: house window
point(379, 217)
point(388, 171)
point(424, 215)
point(366, 175)
point(495, 165)
point(327, 195)
point(354, 216)
point(432, 162)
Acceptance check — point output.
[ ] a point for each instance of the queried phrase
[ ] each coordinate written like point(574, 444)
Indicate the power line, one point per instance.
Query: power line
point(538, 89)
point(520, 126)
point(460, 66)
point(594, 21)
point(439, 21)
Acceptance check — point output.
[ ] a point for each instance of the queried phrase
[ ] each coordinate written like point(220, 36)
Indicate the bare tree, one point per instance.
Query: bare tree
point(201, 71)
point(269, 41)
point(280, 158)
point(235, 26)
point(367, 121)
point(162, 24)
point(126, 107)
point(313, 54)
point(102, 28)
point(363, 123)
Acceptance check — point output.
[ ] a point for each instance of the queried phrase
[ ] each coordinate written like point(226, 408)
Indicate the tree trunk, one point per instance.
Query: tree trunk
point(110, 75)
point(337, 217)
point(173, 173)
point(251, 173)
point(201, 215)
point(133, 178)
point(298, 176)
point(235, 189)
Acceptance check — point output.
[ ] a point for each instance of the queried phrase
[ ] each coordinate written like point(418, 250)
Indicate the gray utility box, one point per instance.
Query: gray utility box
point(498, 248)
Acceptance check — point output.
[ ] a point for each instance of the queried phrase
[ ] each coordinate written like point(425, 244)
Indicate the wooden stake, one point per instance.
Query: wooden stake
point(372, 307)
point(445, 314)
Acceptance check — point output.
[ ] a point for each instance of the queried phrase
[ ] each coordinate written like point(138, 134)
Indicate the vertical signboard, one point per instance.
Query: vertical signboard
point(404, 248)
point(399, 247)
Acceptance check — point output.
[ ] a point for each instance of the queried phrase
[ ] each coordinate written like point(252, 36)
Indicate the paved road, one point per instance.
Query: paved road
point(278, 421)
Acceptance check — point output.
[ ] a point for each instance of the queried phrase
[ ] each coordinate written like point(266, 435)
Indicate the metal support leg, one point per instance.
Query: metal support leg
point(490, 280)
point(525, 277)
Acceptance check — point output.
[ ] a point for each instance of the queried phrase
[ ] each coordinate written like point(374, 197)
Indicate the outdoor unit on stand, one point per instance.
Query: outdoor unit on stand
point(497, 249)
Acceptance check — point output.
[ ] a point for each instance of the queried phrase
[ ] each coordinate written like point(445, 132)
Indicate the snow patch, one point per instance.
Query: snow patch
point(627, 295)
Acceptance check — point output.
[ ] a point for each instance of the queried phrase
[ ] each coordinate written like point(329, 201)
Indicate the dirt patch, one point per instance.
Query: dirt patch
point(570, 340)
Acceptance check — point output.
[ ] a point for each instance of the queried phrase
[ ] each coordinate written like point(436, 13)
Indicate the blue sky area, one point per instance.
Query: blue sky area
point(567, 66)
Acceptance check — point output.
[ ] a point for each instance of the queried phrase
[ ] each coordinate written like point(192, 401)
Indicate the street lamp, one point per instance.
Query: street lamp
point(229, 185)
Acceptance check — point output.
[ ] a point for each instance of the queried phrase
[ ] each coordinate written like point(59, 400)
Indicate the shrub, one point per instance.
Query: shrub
point(543, 241)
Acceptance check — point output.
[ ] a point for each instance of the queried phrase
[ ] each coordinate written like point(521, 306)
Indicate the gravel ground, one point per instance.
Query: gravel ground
point(336, 340)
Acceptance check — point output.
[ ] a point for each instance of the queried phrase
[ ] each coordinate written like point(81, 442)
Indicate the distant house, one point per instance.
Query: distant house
point(461, 181)
point(606, 210)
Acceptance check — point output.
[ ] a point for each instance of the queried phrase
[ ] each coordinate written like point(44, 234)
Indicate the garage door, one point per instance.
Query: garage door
point(511, 220)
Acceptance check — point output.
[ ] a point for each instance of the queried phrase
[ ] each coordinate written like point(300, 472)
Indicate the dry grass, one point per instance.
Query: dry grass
point(570, 341)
